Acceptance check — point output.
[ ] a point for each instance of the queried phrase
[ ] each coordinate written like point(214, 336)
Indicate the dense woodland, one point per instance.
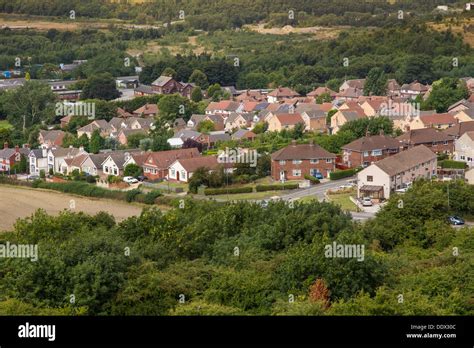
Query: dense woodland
point(242, 259)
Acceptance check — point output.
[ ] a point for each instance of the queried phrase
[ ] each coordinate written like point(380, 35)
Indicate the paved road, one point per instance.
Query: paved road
point(316, 191)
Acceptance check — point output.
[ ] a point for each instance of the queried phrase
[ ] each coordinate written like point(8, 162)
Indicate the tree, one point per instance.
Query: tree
point(170, 72)
point(133, 170)
point(445, 92)
point(298, 130)
point(318, 292)
point(174, 106)
point(199, 79)
point(96, 142)
point(206, 126)
point(196, 95)
point(134, 140)
point(376, 82)
point(215, 92)
point(191, 143)
point(324, 98)
point(260, 128)
point(100, 86)
point(28, 105)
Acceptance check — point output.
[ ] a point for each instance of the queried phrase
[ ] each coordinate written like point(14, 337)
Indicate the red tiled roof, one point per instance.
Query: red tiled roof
point(289, 119)
point(436, 119)
point(163, 159)
point(301, 152)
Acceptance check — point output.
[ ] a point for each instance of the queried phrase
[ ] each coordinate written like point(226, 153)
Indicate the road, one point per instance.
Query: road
point(316, 191)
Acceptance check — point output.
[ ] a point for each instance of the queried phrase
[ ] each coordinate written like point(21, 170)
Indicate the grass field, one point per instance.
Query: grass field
point(343, 199)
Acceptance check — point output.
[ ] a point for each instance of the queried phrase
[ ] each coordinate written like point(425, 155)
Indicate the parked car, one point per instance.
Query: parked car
point(33, 177)
point(402, 190)
point(141, 178)
point(318, 175)
point(367, 202)
point(130, 180)
point(347, 186)
point(455, 220)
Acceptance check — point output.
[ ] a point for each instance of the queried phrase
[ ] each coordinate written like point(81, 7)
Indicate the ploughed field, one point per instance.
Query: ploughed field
point(19, 202)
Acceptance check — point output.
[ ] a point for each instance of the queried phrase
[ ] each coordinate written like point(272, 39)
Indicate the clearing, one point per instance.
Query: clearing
point(20, 202)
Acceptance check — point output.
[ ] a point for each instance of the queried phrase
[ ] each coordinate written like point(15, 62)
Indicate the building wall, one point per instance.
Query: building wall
point(355, 159)
point(464, 150)
point(374, 176)
point(305, 167)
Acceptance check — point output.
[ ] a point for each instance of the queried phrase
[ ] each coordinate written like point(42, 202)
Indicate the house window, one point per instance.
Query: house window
point(370, 178)
point(173, 173)
point(314, 161)
point(106, 169)
point(282, 163)
point(328, 160)
point(377, 153)
point(183, 174)
point(297, 161)
point(296, 172)
point(445, 143)
point(366, 153)
point(463, 157)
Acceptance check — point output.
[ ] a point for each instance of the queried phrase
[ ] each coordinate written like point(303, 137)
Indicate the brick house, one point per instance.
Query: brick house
point(369, 149)
point(281, 93)
point(437, 141)
point(380, 179)
point(10, 156)
point(278, 122)
point(166, 85)
point(156, 165)
point(295, 161)
point(51, 138)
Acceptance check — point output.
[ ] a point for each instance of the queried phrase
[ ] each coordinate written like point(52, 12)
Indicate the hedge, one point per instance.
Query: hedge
point(452, 164)
point(312, 179)
point(9, 181)
point(82, 189)
point(230, 190)
point(263, 188)
point(342, 173)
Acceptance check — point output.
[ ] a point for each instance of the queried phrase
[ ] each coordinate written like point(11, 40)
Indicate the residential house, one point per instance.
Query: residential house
point(439, 121)
point(92, 165)
point(464, 149)
point(127, 82)
point(57, 155)
point(38, 161)
point(280, 94)
point(341, 117)
point(211, 139)
point(217, 120)
point(277, 122)
point(382, 178)
point(464, 115)
point(123, 113)
point(254, 95)
point(459, 129)
point(244, 134)
point(157, 164)
point(51, 138)
point(74, 163)
point(315, 120)
point(195, 120)
point(295, 161)
point(321, 90)
point(364, 151)
point(10, 156)
point(147, 110)
point(356, 84)
point(463, 104)
point(114, 164)
point(181, 136)
point(183, 169)
point(238, 120)
point(101, 125)
point(412, 90)
point(223, 107)
point(437, 141)
point(166, 85)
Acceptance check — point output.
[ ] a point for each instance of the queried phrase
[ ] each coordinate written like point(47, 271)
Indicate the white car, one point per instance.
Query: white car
point(130, 180)
point(367, 202)
point(402, 190)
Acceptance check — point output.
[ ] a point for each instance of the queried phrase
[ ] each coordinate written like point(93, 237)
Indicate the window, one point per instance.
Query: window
point(328, 160)
point(463, 157)
point(173, 173)
point(314, 161)
point(297, 161)
point(370, 178)
point(106, 169)
point(377, 153)
point(446, 142)
point(282, 163)
point(183, 174)
point(366, 153)
point(296, 172)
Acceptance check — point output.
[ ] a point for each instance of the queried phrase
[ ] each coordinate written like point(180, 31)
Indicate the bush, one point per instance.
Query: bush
point(342, 173)
point(263, 188)
point(452, 164)
point(130, 197)
point(151, 197)
point(311, 178)
point(230, 190)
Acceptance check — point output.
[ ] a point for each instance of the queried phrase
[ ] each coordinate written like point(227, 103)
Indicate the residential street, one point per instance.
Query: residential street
point(318, 190)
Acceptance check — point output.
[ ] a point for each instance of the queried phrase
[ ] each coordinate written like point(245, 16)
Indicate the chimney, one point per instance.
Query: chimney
point(26, 146)
point(5, 145)
point(17, 149)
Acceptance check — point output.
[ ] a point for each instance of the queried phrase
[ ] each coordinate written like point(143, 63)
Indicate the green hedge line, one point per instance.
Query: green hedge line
point(263, 188)
point(342, 173)
point(312, 179)
point(9, 181)
point(82, 189)
point(452, 164)
point(230, 190)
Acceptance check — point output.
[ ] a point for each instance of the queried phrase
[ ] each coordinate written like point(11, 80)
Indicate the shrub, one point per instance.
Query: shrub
point(342, 173)
point(130, 197)
point(230, 190)
point(452, 164)
point(151, 197)
point(311, 178)
point(263, 188)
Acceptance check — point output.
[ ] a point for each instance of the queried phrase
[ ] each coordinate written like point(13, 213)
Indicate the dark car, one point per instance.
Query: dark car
point(141, 178)
point(318, 175)
point(455, 220)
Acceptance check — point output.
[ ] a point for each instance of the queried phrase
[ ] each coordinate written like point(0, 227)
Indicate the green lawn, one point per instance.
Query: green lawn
point(248, 196)
point(343, 200)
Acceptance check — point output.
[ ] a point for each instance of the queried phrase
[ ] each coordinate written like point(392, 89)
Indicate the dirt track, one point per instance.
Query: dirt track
point(23, 202)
